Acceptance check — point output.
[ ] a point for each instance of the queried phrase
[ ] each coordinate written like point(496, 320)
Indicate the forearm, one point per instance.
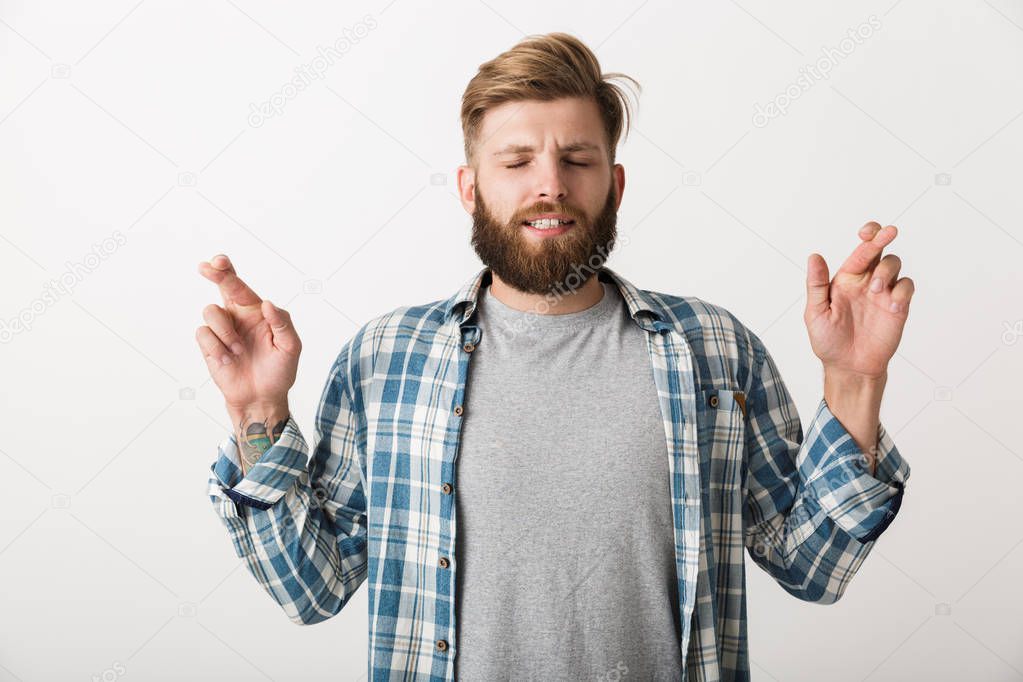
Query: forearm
point(856, 402)
point(307, 551)
point(257, 428)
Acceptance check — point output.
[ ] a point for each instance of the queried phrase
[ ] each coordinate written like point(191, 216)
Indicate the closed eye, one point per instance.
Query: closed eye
point(571, 163)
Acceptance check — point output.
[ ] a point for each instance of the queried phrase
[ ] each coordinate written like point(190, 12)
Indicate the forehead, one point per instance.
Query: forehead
point(532, 123)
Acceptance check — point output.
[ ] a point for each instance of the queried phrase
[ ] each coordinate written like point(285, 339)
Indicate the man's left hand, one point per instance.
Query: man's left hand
point(855, 320)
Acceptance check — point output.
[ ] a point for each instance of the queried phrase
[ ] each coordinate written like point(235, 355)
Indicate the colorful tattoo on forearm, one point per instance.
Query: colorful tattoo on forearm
point(257, 440)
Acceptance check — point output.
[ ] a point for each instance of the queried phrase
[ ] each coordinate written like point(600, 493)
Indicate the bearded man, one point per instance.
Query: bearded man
point(553, 473)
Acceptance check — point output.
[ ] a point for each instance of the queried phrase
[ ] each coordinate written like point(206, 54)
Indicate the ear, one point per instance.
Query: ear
point(466, 176)
point(618, 177)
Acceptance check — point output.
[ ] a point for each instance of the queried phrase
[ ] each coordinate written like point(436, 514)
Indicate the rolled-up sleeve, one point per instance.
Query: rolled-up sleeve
point(838, 473)
point(812, 510)
point(300, 521)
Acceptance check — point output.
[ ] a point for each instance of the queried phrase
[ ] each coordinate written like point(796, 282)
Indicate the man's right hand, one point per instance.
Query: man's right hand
point(251, 349)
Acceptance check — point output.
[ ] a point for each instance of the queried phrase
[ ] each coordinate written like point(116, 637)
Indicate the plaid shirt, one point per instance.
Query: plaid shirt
point(376, 498)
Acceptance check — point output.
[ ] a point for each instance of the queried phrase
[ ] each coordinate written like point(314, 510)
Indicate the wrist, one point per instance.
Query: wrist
point(853, 394)
point(855, 400)
point(271, 411)
point(854, 383)
point(257, 427)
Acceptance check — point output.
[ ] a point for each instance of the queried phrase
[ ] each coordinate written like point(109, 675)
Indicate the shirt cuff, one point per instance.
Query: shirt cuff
point(271, 477)
point(838, 475)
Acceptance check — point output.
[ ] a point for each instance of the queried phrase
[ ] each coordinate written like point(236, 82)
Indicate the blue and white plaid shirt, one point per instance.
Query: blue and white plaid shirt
point(376, 499)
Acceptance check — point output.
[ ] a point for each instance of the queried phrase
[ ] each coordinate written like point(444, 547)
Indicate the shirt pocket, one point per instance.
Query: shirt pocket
point(721, 416)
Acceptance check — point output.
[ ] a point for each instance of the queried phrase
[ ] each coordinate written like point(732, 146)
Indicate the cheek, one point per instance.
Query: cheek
point(505, 204)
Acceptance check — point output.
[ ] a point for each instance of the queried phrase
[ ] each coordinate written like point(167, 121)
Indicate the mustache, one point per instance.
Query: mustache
point(540, 208)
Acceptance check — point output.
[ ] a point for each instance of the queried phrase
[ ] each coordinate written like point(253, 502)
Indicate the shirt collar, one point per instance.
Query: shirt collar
point(642, 306)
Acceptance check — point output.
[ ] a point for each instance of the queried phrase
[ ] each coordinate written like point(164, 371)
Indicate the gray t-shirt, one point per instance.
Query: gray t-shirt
point(566, 554)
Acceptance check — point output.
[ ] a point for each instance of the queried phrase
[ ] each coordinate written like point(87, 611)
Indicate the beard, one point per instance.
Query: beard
point(541, 266)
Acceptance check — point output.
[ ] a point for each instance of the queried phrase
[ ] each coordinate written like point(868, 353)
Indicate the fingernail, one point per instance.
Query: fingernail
point(876, 285)
point(236, 348)
point(895, 307)
point(226, 359)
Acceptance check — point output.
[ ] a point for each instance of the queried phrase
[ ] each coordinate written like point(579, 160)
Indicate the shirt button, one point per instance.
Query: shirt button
point(458, 410)
point(442, 644)
point(443, 562)
point(446, 488)
point(469, 347)
point(713, 401)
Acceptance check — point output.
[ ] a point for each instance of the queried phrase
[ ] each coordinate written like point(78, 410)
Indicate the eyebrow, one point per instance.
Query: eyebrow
point(571, 147)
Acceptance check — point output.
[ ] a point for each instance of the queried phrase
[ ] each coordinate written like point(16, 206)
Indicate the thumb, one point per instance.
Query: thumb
point(818, 284)
point(284, 335)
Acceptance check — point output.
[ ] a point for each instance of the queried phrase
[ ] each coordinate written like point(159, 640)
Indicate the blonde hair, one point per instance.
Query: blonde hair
point(545, 67)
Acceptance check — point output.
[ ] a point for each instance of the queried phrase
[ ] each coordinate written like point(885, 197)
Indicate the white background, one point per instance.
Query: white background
point(133, 118)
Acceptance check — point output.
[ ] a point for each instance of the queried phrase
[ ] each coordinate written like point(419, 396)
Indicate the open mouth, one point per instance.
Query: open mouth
point(549, 224)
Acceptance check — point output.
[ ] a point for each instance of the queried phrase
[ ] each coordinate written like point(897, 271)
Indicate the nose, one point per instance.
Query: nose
point(550, 183)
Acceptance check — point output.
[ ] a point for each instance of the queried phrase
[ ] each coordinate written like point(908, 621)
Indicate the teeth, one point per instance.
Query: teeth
point(546, 223)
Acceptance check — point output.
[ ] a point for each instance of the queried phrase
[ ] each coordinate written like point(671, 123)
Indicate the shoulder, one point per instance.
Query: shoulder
point(406, 322)
point(405, 329)
point(725, 350)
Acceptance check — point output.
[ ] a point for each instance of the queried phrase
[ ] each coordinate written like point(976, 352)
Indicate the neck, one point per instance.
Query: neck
point(559, 302)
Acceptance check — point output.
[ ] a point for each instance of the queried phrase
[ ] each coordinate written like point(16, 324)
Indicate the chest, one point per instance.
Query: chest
point(646, 397)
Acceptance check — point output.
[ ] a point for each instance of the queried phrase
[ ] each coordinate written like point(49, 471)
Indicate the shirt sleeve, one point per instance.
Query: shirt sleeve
point(813, 511)
point(300, 523)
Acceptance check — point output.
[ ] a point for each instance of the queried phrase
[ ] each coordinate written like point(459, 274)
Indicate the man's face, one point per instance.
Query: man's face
point(534, 159)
